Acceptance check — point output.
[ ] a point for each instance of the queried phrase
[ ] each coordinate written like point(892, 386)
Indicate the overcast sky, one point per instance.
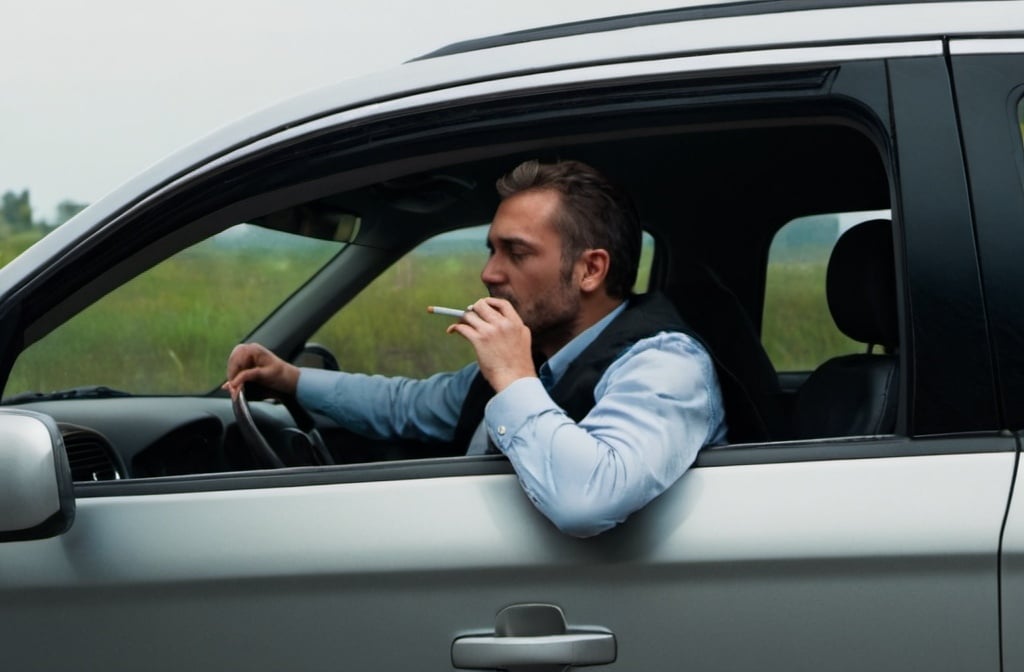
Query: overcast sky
point(95, 91)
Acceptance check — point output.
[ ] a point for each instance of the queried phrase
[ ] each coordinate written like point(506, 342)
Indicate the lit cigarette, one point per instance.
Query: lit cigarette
point(439, 310)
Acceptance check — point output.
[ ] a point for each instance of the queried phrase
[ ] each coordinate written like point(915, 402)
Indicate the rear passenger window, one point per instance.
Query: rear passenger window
point(798, 331)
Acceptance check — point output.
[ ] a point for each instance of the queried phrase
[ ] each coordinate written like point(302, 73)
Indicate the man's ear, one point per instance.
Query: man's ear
point(594, 265)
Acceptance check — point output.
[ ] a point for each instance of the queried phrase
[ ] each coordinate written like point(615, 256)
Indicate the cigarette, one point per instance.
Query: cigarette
point(440, 310)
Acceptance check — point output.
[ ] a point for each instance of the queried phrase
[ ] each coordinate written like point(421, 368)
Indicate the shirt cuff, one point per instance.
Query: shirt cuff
point(508, 411)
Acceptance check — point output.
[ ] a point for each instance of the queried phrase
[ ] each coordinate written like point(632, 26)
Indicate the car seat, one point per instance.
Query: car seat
point(749, 382)
point(856, 395)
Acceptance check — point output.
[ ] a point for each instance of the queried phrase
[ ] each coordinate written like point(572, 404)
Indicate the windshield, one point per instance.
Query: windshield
point(168, 331)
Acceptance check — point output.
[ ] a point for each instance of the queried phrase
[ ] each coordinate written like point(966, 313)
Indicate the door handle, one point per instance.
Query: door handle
point(534, 636)
point(509, 653)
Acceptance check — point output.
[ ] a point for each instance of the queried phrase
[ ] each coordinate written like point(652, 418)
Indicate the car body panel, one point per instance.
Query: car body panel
point(781, 553)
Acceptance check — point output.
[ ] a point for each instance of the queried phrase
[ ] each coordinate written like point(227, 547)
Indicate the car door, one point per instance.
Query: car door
point(989, 93)
point(844, 553)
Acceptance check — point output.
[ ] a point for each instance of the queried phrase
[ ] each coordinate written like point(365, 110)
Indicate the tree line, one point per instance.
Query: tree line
point(16, 215)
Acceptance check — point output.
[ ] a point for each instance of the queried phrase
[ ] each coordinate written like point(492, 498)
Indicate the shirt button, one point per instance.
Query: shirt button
point(501, 430)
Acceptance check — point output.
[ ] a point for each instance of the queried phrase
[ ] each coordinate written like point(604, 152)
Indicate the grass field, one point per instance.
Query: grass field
point(169, 331)
point(11, 245)
point(798, 332)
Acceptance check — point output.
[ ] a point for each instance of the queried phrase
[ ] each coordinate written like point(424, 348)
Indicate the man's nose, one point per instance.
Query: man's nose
point(492, 273)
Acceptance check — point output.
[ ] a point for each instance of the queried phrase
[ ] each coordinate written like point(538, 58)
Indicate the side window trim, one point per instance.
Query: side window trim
point(990, 98)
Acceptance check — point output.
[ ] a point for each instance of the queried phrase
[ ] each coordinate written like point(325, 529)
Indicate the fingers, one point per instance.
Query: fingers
point(484, 316)
point(246, 356)
point(500, 339)
point(253, 363)
point(240, 370)
point(490, 306)
point(238, 381)
point(488, 311)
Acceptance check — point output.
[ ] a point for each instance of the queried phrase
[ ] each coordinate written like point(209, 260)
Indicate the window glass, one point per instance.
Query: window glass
point(167, 330)
point(797, 328)
point(643, 275)
point(386, 328)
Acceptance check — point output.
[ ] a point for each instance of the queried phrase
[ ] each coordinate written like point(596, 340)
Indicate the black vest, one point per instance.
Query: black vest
point(645, 316)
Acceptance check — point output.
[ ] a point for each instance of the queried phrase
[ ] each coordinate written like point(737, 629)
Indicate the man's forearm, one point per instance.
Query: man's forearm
point(653, 416)
point(380, 407)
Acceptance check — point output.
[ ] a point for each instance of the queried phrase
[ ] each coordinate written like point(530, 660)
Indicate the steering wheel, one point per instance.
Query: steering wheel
point(303, 439)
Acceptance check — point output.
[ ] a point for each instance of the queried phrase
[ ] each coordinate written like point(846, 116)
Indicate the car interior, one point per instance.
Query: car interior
point(712, 192)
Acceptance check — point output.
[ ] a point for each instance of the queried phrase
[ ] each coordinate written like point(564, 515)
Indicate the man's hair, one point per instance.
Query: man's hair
point(594, 214)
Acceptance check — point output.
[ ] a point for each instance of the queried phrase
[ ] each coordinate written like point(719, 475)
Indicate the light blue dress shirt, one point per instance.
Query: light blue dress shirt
point(656, 406)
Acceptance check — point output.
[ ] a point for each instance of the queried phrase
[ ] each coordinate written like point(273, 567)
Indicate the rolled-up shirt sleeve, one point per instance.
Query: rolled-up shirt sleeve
point(656, 406)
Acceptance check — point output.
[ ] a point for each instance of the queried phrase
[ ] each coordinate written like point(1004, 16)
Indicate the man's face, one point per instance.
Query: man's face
point(526, 266)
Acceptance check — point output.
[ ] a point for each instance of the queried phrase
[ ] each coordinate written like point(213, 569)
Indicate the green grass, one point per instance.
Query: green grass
point(11, 245)
point(798, 332)
point(168, 331)
point(386, 329)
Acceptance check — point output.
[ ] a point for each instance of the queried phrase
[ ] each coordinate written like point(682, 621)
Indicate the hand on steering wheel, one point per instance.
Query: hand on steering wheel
point(305, 431)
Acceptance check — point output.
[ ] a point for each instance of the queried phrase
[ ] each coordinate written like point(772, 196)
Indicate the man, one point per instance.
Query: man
point(623, 398)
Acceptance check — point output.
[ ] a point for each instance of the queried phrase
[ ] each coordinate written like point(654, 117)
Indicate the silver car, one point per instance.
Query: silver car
point(834, 197)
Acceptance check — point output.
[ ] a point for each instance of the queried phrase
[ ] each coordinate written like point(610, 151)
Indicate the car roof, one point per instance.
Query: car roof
point(687, 11)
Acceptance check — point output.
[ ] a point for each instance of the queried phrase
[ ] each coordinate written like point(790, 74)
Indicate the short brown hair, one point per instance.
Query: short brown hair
point(595, 214)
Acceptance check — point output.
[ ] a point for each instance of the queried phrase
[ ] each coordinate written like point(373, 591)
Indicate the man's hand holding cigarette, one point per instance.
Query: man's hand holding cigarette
point(499, 337)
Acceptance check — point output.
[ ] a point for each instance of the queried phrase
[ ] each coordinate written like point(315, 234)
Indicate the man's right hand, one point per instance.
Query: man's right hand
point(501, 341)
point(252, 363)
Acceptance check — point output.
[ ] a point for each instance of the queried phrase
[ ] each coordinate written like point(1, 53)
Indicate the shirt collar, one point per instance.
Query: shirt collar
point(551, 371)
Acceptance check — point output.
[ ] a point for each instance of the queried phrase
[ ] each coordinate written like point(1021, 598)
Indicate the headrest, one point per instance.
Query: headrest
point(861, 284)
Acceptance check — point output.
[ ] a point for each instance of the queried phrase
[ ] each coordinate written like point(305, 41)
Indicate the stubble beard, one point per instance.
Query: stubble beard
point(551, 318)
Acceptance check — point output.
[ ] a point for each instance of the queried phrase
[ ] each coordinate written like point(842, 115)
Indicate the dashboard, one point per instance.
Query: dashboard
point(140, 437)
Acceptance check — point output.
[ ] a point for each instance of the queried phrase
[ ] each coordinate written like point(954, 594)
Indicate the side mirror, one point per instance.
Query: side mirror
point(37, 497)
point(316, 356)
